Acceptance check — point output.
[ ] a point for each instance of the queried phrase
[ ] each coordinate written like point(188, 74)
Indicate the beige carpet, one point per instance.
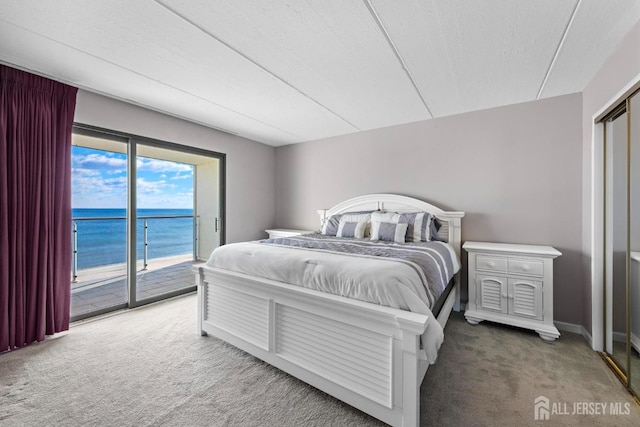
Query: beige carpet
point(149, 367)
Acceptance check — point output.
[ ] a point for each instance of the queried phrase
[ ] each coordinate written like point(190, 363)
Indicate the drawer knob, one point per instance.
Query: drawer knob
point(525, 267)
point(491, 264)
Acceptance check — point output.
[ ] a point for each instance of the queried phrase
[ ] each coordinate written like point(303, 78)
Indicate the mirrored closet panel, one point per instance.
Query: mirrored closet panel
point(622, 241)
point(634, 243)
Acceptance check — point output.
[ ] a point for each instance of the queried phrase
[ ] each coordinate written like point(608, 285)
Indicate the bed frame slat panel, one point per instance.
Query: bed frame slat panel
point(348, 360)
point(244, 315)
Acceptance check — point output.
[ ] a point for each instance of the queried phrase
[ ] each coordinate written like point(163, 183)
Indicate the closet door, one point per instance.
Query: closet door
point(616, 238)
point(634, 243)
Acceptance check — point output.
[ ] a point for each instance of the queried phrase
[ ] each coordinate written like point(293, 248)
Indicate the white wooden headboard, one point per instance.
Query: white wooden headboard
point(451, 221)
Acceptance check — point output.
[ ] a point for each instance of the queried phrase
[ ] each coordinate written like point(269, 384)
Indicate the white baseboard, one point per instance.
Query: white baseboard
point(569, 327)
point(576, 329)
point(587, 336)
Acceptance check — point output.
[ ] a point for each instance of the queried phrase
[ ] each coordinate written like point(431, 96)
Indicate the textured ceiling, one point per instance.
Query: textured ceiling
point(282, 72)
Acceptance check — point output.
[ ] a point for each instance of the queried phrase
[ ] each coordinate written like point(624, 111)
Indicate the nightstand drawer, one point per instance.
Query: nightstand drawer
point(491, 263)
point(526, 266)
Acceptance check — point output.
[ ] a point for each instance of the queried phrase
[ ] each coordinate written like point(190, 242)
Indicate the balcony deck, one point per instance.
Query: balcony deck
point(103, 287)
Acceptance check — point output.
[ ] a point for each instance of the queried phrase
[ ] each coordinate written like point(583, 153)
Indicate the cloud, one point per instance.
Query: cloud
point(100, 161)
point(116, 183)
point(144, 186)
point(95, 161)
point(155, 165)
point(91, 190)
point(100, 180)
point(85, 172)
point(183, 176)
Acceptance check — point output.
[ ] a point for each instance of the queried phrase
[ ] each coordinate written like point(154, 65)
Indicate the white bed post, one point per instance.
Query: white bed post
point(202, 300)
point(411, 378)
point(323, 215)
point(455, 236)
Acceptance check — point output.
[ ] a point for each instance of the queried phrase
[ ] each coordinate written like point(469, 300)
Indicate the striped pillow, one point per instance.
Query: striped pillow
point(331, 224)
point(418, 226)
point(352, 226)
point(435, 231)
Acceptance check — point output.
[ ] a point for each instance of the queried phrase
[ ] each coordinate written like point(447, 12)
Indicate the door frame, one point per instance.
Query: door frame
point(597, 228)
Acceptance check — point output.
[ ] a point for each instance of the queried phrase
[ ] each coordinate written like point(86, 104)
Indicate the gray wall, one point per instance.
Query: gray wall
point(515, 170)
point(250, 165)
point(621, 68)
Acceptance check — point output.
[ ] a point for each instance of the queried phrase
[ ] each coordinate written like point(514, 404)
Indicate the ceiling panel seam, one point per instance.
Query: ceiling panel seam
point(558, 49)
point(396, 52)
point(236, 51)
point(153, 80)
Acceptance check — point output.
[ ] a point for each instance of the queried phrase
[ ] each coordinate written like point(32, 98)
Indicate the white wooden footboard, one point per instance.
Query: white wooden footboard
point(366, 355)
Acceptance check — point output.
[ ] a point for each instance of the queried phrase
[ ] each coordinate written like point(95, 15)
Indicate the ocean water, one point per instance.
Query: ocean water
point(103, 242)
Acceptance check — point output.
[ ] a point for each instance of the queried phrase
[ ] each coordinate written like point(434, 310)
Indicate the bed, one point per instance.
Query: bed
point(371, 356)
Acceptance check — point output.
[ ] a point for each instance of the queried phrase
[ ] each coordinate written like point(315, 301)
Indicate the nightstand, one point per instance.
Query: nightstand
point(286, 232)
point(512, 284)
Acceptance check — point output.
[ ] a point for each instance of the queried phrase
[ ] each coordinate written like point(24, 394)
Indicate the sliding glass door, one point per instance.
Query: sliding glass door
point(144, 212)
point(99, 224)
point(622, 241)
point(616, 232)
point(174, 221)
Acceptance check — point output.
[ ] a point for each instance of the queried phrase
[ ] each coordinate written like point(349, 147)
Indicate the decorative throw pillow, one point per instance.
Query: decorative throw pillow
point(418, 226)
point(435, 231)
point(378, 218)
point(392, 232)
point(331, 224)
point(352, 226)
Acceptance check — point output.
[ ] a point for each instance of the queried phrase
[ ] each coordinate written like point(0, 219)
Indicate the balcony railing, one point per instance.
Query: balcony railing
point(196, 236)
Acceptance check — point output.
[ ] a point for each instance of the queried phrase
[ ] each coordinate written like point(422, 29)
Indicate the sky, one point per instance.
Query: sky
point(100, 181)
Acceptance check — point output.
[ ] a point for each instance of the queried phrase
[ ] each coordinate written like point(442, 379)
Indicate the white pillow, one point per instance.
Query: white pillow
point(352, 226)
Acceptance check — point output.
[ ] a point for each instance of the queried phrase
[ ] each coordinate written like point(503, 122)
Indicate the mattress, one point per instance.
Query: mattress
point(409, 276)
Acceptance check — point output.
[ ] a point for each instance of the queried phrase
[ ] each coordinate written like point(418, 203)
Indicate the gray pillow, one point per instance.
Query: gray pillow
point(418, 224)
point(392, 232)
point(435, 228)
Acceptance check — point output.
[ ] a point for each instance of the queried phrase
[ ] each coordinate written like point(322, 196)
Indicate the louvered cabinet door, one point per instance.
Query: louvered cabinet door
point(492, 294)
point(525, 298)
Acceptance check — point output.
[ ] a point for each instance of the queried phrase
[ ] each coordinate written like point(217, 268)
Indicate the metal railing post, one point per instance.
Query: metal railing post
point(196, 237)
point(75, 252)
point(146, 245)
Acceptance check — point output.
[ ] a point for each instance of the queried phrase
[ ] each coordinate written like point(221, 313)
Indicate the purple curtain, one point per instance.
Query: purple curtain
point(36, 119)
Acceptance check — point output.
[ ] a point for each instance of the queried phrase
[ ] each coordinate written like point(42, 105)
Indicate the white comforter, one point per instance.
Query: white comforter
point(373, 279)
